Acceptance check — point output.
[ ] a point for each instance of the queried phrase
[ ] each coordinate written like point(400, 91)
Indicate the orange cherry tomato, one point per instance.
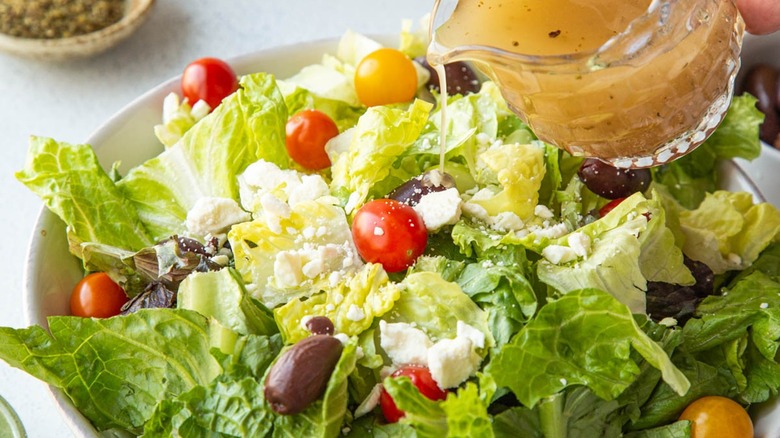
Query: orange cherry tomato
point(307, 133)
point(716, 417)
point(208, 79)
point(97, 296)
point(385, 76)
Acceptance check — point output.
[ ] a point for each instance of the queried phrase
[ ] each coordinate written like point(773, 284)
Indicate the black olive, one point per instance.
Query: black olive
point(610, 182)
point(761, 82)
point(300, 375)
point(411, 191)
point(461, 78)
point(320, 325)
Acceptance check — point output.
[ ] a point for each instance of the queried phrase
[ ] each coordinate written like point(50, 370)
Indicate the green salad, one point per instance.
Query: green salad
point(509, 295)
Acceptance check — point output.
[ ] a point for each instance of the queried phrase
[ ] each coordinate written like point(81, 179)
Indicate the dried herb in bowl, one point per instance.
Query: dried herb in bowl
point(48, 19)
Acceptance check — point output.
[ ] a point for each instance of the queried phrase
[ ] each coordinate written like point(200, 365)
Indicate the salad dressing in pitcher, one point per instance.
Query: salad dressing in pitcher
point(634, 82)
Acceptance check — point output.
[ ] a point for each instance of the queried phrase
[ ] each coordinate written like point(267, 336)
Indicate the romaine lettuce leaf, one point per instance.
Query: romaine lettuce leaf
point(261, 252)
point(583, 338)
point(117, 369)
point(436, 306)
point(221, 295)
point(73, 185)
point(247, 126)
point(727, 231)
point(369, 290)
point(382, 135)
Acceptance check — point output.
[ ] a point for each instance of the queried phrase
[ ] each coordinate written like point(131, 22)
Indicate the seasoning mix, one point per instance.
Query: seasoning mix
point(57, 18)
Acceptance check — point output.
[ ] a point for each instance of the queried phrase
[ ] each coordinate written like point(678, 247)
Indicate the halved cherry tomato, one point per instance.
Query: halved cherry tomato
point(715, 417)
point(385, 76)
point(307, 132)
point(610, 206)
point(389, 232)
point(208, 79)
point(422, 379)
point(97, 296)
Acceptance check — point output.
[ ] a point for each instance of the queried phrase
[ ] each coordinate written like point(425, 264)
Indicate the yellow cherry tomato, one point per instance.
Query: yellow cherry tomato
point(716, 417)
point(385, 76)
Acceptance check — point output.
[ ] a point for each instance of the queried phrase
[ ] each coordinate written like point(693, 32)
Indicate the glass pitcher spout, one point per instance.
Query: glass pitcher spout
point(634, 82)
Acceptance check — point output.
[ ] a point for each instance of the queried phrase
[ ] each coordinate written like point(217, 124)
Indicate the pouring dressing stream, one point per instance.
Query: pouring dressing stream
point(636, 83)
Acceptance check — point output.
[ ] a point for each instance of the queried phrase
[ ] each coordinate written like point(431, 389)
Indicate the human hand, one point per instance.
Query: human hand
point(761, 16)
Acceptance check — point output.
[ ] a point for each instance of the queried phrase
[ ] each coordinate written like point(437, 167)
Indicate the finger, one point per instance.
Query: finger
point(761, 16)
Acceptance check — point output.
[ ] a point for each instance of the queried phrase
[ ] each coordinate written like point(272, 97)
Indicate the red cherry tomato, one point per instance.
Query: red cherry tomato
point(307, 133)
point(389, 232)
point(422, 379)
point(610, 206)
point(208, 79)
point(715, 417)
point(385, 76)
point(97, 296)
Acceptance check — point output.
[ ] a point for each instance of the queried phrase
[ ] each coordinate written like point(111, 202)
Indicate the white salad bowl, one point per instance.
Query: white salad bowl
point(52, 272)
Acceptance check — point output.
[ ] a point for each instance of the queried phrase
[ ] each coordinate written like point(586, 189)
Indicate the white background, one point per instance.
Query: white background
point(68, 101)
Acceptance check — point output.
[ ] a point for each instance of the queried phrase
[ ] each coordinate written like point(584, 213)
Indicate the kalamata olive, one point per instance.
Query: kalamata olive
point(461, 78)
point(761, 82)
point(610, 182)
point(320, 325)
point(411, 191)
point(301, 374)
point(770, 128)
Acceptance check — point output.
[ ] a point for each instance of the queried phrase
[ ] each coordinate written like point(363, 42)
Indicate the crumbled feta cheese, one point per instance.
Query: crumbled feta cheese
point(506, 221)
point(211, 215)
point(482, 138)
point(668, 322)
point(312, 187)
point(734, 259)
point(288, 268)
point(342, 337)
point(274, 211)
point(330, 307)
point(563, 381)
point(378, 231)
point(293, 266)
point(543, 212)
point(355, 313)
point(338, 298)
point(474, 334)
point(552, 232)
point(403, 343)
point(438, 209)
point(764, 305)
point(452, 361)
point(557, 254)
point(475, 210)
point(579, 243)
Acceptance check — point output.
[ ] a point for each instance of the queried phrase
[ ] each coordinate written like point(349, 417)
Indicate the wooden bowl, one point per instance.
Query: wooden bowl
point(81, 46)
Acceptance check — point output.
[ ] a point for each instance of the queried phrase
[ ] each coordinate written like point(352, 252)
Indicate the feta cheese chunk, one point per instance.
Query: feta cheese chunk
point(579, 243)
point(472, 333)
point(452, 361)
point(212, 215)
point(557, 254)
point(355, 313)
point(403, 343)
point(438, 209)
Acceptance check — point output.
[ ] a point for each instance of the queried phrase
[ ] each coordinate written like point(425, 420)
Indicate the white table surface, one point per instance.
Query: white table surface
point(68, 101)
